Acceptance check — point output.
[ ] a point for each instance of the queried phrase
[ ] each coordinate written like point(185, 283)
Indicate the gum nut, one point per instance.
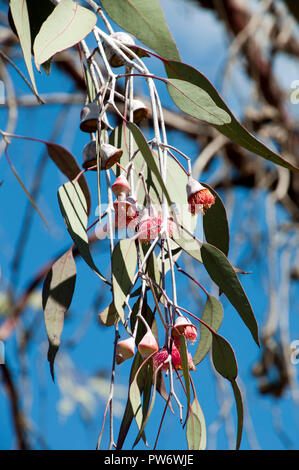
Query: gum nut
point(89, 155)
point(89, 117)
point(109, 156)
point(114, 59)
point(140, 111)
point(121, 185)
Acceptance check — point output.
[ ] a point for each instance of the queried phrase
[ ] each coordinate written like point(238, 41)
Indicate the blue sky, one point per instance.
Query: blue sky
point(202, 42)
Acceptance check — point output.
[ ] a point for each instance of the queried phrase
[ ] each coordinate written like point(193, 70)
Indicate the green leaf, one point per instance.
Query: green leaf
point(57, 295)
point(145, 20)
point(239, 405)
point(224, 358)
point(196, 432)
point(20, 17)
point(123, 262)
point(225, 363)
point(128, 414)
point(67, 25)
point(185, 368)
point(73, 207)
point(109, 316)
point(148, 410)
point(233, 130)
point(148, 157)
point(215, 224)
point(135, 391)
point(196, 102)
point(224, 275)
point(213, 316)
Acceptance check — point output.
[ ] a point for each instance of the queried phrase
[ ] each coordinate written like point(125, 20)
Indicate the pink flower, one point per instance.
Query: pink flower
point(200, 199)
point(150, 227)
point(184, 326)
point(161, 358)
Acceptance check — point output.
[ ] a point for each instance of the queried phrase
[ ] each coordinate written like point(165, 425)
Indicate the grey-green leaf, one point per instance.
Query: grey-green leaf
point(224, 358)
point(215, 224)
point(196, 432)
point(124, 262)
point(20, 17)
point(109, 316)
point(74, 209)
point(197, 102)
point(145, 20)
point(224, 275)
point(67, 25)
point(233, 129)
point(57, 295)
point(240, 412)
point(213, 316)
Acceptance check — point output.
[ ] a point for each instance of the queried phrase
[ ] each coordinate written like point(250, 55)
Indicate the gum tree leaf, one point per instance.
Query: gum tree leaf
point(224, 275)
point(233, 130)
point(145, 20)
point(225, 363)
point(67, 25)
point(224, 358)
point(215, 224)
point(73, 207)
point(57, 295)
point(196, 102)
point(20, 17)
point(128, 414)
point(109, 316)
point(185, 368)
point(196, 432)
point(123, 262)
point(240, 412)
point(148, 157)
point(213, 316)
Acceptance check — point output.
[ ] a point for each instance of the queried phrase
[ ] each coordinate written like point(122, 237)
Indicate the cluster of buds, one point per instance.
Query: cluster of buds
point(200, 199)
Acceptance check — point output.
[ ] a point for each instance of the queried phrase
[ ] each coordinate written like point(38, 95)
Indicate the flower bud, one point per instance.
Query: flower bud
point(148, 345)
point(125, 350)
point(125, 213)
point(121, 186)
point(200, 199)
